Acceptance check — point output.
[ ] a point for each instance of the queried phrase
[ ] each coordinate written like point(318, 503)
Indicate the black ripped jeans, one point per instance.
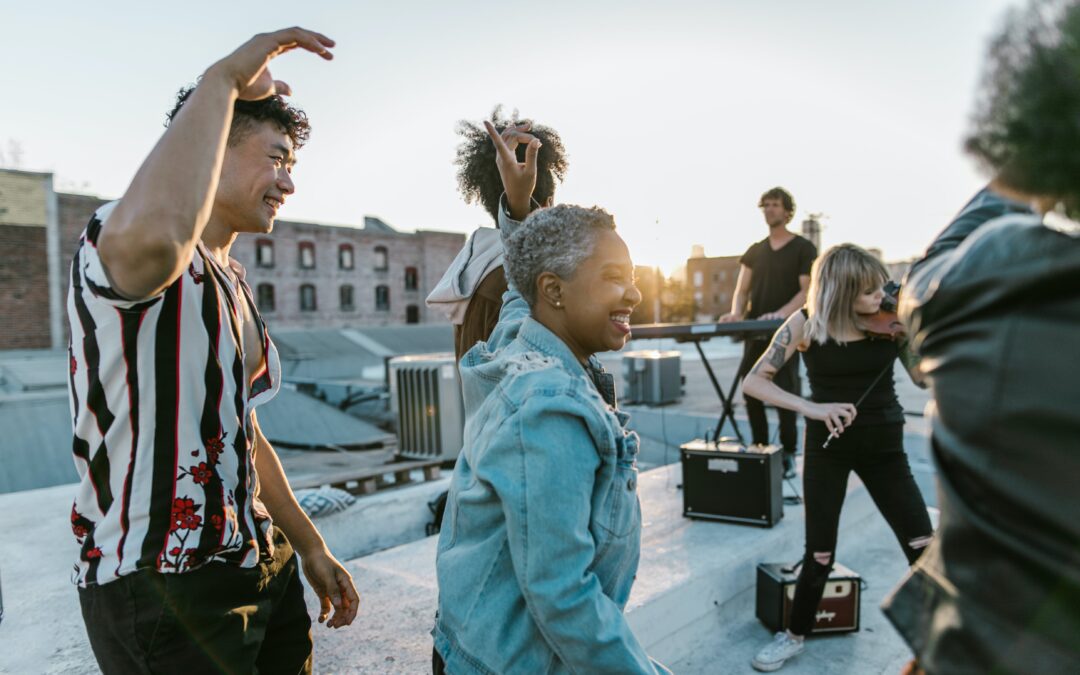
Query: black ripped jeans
point(876, 454)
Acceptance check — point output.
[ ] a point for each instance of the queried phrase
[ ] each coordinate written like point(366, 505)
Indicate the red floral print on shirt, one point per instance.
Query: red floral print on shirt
point(80, 524)
point(184, 516)
point(201, 473)
point(214, 448)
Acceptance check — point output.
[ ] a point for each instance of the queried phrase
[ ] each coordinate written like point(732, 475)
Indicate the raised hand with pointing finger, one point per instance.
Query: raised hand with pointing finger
point(519, 178)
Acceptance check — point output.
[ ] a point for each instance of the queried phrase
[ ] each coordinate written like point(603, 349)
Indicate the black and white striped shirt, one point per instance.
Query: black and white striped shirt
point(161, 408)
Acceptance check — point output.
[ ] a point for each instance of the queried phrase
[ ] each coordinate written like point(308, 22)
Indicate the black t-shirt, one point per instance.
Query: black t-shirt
point(841, 373)
point(775, 279)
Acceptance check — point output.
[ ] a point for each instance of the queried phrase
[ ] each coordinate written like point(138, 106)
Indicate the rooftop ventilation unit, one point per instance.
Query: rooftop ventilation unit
point(425, 392)
point(652, 377)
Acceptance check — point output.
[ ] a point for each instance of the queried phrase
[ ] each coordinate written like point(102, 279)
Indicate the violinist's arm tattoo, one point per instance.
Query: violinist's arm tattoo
point(776, 356)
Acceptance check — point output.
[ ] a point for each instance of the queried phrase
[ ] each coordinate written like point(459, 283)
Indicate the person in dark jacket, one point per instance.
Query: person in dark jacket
point(994, 311)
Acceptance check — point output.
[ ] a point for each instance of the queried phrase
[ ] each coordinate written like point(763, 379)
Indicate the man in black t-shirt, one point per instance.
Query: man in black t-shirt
point(774, 274)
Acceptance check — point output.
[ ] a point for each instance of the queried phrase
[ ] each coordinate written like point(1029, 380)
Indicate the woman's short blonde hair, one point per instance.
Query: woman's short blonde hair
point(837, 279)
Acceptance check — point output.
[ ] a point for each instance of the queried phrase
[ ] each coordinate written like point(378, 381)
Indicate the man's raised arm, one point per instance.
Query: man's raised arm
point(151, 235)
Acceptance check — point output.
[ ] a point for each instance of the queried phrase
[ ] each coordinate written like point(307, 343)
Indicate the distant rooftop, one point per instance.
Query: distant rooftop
point(377, 225)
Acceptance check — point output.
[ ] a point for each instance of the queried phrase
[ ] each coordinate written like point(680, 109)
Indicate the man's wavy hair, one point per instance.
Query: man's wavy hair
point(246, 114)
point(558, 239)
point(1026, 124)
point(478, 177)
point(785, 198)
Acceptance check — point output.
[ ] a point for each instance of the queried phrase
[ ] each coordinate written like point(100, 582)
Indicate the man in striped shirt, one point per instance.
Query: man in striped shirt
point(184, 517)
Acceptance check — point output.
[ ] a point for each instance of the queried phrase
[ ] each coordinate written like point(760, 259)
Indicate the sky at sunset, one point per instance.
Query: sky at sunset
point(675, 115)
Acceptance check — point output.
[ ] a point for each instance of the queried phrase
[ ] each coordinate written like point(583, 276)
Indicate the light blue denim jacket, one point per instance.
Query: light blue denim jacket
point(542, 530)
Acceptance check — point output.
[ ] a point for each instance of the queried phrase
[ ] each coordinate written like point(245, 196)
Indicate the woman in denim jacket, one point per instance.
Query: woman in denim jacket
point(541, 536)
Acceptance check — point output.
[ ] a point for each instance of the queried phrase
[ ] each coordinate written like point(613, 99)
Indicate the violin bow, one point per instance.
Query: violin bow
point(862, 398)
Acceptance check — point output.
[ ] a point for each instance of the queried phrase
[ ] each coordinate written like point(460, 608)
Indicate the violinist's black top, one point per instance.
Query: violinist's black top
point(842, 372)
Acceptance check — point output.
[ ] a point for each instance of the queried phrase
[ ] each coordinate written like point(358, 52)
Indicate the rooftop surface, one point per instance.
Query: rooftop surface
point(692, 605)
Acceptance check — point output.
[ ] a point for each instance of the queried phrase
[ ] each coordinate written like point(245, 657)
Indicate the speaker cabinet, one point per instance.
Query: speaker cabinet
point(730, 482)
point(838, 611)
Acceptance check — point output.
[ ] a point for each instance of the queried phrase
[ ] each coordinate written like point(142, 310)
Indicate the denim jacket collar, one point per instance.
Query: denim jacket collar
point(543, 340)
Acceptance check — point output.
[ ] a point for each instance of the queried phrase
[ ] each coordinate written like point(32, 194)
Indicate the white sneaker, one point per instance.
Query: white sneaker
point(773, 655)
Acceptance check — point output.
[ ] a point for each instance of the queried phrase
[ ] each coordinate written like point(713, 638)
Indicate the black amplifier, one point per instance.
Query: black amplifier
point(728, 481)
point(838, 611)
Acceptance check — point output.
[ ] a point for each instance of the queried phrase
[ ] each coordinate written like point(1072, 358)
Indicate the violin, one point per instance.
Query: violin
point(884, 324)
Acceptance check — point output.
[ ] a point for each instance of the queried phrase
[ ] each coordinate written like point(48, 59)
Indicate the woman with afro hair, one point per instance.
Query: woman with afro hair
point(471, 290)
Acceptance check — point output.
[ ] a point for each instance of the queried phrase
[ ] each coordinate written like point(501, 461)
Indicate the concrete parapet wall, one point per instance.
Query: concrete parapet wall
point(381, 520)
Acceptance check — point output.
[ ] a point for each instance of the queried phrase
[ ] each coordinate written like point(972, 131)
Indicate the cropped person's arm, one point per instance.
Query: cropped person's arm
point(549, 476)
point(519, 181)
point(151, 235)
point(331, 582)
point(741, 295)
point(923, 279)
point(983, 207)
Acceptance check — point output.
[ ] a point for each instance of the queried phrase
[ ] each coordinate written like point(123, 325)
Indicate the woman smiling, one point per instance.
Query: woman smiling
point(541, 538)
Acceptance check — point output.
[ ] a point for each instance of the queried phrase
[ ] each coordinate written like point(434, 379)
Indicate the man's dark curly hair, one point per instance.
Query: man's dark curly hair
point(783, 195)
point(478, 177)
point(293, 121)
point(1026, 125)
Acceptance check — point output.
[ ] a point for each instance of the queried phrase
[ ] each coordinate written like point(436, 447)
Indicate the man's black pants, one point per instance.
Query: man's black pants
point(787, 378)
point(219, 618)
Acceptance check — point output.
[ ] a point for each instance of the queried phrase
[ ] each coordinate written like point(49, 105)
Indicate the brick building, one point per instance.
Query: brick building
point(712, 280)
point(304, 275)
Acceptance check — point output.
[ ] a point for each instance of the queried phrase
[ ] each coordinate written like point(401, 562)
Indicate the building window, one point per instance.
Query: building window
point(411, 279)
point(307, 255)
point(412, 314)
point(307, 298)
point(345, 256)
point(264, 297)
point(382, 298)
point(347, 298)
point(699, 279)
point(723, 275)
point(264, 253)
point(381, 259)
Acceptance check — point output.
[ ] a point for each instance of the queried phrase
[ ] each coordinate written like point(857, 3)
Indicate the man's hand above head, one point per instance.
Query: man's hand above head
point(519, 178)
point(248, 66)
point(150, 237)
point(334, 587)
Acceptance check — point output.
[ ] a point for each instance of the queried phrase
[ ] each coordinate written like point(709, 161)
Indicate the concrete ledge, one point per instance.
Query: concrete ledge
point(381, 520)
point(42, 614)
